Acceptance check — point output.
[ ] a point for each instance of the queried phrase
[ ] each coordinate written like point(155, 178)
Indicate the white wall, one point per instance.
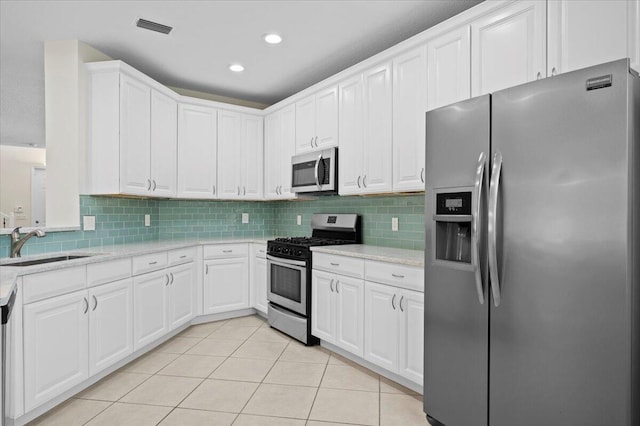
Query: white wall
point(15, 175)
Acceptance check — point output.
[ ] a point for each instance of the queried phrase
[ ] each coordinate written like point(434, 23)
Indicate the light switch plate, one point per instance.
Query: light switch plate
point(147, 220)
point(89, 223)
point(394, 223)
point(245, 217)
point(299, 219)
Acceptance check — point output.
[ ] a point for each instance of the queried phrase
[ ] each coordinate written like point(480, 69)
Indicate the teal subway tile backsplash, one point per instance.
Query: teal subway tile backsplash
point(121, 220)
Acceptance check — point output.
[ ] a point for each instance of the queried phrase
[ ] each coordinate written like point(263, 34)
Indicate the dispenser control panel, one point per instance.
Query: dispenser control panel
point(453, 203)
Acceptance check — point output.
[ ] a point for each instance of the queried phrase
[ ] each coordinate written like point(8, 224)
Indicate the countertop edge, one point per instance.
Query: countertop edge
point(377, 253)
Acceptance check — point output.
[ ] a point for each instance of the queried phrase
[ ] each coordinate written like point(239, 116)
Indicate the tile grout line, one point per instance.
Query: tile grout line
point(318, 389)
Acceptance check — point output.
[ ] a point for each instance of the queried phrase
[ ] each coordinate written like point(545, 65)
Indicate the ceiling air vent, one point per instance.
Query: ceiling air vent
point(153, 26)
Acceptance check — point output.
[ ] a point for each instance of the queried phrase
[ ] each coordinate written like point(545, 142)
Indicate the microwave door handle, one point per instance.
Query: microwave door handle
point(316, 171)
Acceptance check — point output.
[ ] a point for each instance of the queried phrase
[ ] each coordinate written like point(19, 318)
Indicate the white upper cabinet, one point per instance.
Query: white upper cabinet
point(508, 47)
point(317, 121)
point(240, 155)
point(164, 142)
point(409, 107)
point(350, 163)
point(279, 147)
point(197, 151)
point(135, 136)
point(449, 68)
point(585, 33)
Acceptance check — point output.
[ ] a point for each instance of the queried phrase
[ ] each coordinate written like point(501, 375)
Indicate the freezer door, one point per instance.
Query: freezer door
point(455, 322)
point(560, 337)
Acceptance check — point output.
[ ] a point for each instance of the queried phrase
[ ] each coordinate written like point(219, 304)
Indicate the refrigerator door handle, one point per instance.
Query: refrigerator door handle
point(475, 225)
point(493, 221)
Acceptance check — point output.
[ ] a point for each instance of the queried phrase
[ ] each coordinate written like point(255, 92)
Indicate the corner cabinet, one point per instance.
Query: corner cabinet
point(279, 147)
point(132, 133)
point(197, 151)
point(365, 131)
point(317, 121)
point(240, 156)
point(508, 47)
point(226, 278)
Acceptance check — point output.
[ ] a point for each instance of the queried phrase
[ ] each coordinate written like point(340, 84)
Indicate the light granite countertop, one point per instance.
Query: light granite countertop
point(7, 284)
point(382, 254)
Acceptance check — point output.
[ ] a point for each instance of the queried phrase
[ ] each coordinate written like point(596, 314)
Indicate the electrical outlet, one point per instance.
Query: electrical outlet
point(89, 223)
point(394, 223)
point(245, 217)
point(147, 220)
point(299, 219)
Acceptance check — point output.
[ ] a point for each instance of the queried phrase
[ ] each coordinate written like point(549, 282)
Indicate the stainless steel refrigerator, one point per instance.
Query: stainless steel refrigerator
point(532, 257)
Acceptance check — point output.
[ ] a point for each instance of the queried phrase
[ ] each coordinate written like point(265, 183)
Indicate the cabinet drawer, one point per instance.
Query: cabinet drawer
point(184, 255)
point(149, 262)
point(53, 283)
point(344, 265)
point(409, 277)
point(106, 272)
point(259, 250)
point(226, 250)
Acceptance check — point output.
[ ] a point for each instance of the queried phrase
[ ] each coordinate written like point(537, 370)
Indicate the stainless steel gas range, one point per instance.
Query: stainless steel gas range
point(289, 264)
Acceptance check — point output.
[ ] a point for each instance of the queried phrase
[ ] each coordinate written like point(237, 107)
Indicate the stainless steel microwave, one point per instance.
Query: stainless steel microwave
point(315, 172)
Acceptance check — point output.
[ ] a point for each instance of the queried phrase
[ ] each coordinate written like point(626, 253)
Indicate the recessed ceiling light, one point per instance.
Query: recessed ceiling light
point(153, 26)
point(236, 67)
point(272, 38)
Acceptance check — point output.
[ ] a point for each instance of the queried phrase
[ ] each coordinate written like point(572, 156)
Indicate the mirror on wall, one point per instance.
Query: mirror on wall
point(22, 186)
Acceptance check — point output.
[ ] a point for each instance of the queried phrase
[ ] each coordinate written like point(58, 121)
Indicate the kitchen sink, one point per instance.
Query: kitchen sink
point(46, 260)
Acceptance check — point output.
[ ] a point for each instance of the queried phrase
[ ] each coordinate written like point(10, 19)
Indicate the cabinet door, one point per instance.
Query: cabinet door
point(230, 154)
point(585, 33)
point(110, 324)
point(182, 294)
point(409, 107)
point(449, 68)
point(56, 342)
point(323, 310)
point(252, 145)
point(327, 118)
point(305, 124)
point(150, 321)
point(287, 150)
point(350, 133)
point(135, 136)
point(377, 149)
point(508, 47)
point(164, 145)
point(273, 155)
point(259, 284)
point(197, 151)
point(226, 285)
point(381, 325)
point(350, 314)
point(411, 363)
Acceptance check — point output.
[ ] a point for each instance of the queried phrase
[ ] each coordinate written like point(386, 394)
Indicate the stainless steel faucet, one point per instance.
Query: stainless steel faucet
point(17, 242)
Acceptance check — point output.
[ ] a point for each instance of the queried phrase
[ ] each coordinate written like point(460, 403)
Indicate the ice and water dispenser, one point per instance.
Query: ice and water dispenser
point(453, 226)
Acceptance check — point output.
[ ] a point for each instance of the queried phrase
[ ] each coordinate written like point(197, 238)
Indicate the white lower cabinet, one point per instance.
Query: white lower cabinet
point(226, 284)
point(393, 331)
point(110, 324)
point(150, 301)
point(258, 278)
point(337, 310)
point(182, 294)
point(56, 346)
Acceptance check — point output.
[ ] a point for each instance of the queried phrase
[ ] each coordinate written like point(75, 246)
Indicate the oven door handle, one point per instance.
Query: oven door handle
point(286, 262)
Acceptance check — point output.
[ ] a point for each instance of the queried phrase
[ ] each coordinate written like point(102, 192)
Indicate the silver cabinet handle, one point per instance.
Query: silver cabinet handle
point(476, 226)
point(95, 302)
point(311, 141)
point(171, 277)
point(153, 263)
point(493, 222)
point(183, 256)
point(148, 184)
point(359, 182)
point(553, 71)
point(422, 175)
point(401, 299)
point(315, 172)
point(337, 288)
point(393, 302)
point(227, 251)
point(539, 75)
point(167, 277)
point(244, 190)
point(154, 185)
point(86, 305)
point(238, 190)
point(397, 275)
point(316, 141)
point(213, 191)
point(331, 285)
point(364, 181)
point(334, 264)
point(206, 269)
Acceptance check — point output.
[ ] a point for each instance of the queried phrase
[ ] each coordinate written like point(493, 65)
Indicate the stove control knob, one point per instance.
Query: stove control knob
point(298, 252)
point(278, 249)
point(285, 250)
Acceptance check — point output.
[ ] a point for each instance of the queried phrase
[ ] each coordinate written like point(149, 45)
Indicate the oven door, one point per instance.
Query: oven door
point(287, 283)
point(314, 171)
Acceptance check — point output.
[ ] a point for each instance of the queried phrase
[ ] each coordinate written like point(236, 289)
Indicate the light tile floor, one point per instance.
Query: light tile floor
point(240, 372)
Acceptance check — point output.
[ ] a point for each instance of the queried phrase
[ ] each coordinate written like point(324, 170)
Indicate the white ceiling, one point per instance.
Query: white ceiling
point(321, 38)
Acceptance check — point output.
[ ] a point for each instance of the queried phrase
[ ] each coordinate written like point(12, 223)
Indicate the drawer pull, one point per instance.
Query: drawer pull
point(183, 256)
point(334, 264)
point(227, 251)
point(397, 276)
point(153, 263)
